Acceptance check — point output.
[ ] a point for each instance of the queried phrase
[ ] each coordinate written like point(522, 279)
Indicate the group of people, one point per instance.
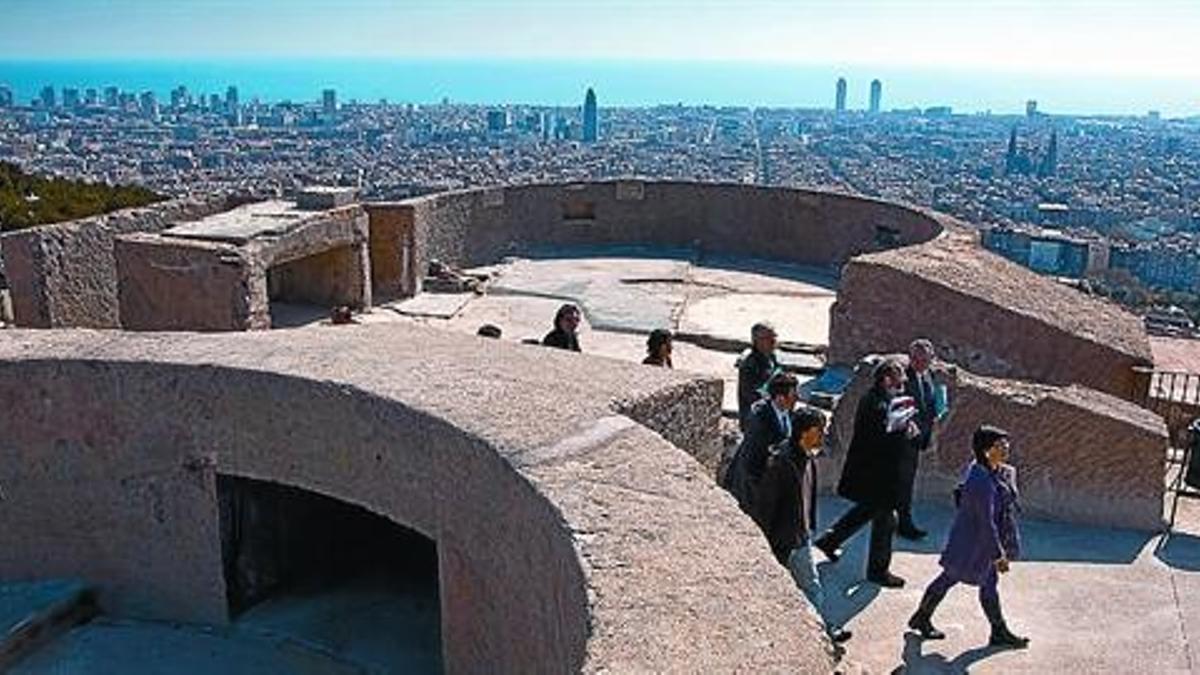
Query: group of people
point(565, 335)
point(773, 476)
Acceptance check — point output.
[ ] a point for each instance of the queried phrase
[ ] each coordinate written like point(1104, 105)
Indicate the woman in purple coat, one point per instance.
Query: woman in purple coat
point(982, 541)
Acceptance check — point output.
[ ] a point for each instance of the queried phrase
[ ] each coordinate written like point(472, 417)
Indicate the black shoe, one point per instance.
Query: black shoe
point(887, 580)
point(1003, 637)
point(831, 553)
point(839, 635)
point(912, 533)
point(925, 627)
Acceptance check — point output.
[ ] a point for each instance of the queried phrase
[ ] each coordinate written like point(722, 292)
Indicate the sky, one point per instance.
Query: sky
point(1155, 38)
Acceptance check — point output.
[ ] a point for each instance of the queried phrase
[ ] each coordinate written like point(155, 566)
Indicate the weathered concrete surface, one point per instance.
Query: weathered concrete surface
point(64, 275)
point(1093, 600)
point(1081, 455)
point(988, 315)
point(222, 272)
point(569, 537)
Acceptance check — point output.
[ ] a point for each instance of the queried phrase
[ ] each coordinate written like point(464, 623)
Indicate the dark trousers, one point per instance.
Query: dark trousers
point(907, 477)
point(883, 526)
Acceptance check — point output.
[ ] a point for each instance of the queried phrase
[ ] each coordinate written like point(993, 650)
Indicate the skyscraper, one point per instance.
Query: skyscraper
point(231, 100)
point(840, 102)
point(1049, 165)
point(876, 95)
point(70, 98)
point(1031, 108)
point(112, 97)
point(591, 121)
point(90, 97)
point(329, 102)
point(6, 97)
point(48, 97)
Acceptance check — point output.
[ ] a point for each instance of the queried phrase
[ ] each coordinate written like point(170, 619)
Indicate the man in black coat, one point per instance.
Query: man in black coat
point(871, 475)
point(919, 385)
point(769, 423)
point(755, 366)
point(786, 507)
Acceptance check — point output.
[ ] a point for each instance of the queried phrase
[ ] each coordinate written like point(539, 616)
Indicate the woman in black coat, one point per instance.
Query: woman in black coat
point(870, 477)
point(566, 327)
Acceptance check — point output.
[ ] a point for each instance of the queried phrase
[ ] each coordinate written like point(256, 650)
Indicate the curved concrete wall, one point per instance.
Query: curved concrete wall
point(569, 537)
point(476, 227)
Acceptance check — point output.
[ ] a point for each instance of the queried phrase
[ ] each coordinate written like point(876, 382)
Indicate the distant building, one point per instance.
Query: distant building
point(6, 97)
point(1049, 165)
point(179, 98)
point(876, 95)
point(497, 120)
point(48, 98)
point(112, 97)
point(1166, 267)
point(1048, 252)
point(591, 118)
point(1031, 108)
point(70, 98)
point(329, 102)
point(148, 104)
point(231, 100)
point(840, 99)
point(91, 97)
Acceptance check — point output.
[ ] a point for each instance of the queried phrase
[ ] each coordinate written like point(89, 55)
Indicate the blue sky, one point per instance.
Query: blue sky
point(1113, 37)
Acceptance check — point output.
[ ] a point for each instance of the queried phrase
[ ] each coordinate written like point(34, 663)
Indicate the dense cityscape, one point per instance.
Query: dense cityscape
point(1101, 197)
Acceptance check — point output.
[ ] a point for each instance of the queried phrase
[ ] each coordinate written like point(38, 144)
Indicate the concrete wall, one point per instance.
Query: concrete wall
point(560, 524)
point(393, 272)
point(480, 226)
point(64, 275)
point(175, 283)
point(1081, 455)
point(172, 284)
point(987, 315)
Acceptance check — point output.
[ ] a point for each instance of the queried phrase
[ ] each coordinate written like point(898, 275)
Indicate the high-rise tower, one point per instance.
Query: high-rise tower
point(591, 120)
point(840, 102)
point(876, 95)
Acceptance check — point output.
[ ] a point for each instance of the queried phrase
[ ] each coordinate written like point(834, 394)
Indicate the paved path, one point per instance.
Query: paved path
point(1092, 600)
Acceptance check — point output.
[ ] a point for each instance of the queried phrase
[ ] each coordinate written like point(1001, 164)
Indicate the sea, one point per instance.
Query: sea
point(617, 83)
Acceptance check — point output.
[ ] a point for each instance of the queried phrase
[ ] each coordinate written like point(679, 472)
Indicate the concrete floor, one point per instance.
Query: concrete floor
point(623, 298)
point(1092, 600)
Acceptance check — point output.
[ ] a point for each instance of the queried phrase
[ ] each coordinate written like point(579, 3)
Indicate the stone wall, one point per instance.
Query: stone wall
point(64, 275)
point(817, 228)
point(177, 283)
point(559, 524)
point(394, 273)
point(687, 416)
point(172, 284)
point(987, 315)
point(1081, 455)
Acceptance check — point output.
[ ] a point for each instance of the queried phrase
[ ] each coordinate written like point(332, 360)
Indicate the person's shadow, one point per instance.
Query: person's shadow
point(914, 662)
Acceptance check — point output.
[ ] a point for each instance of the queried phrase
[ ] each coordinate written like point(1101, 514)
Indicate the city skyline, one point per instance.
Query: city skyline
point(1098, 37)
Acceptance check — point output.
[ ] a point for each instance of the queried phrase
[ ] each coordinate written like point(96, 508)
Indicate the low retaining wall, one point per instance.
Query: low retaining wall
point(64, 275)
point(1081, 455)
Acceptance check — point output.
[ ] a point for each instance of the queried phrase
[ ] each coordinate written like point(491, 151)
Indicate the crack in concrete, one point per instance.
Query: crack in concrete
point(1187, 643)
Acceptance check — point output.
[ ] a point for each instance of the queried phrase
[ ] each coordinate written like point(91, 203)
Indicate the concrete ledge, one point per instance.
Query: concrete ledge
point(1082, 456)
point(987, 314)
point(569, 537)
point(31, 614)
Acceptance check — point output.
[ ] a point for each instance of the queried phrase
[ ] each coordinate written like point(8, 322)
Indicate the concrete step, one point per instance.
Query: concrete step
point(35, 613)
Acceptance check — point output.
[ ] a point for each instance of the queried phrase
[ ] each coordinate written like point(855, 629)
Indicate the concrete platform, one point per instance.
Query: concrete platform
point(1092, 600)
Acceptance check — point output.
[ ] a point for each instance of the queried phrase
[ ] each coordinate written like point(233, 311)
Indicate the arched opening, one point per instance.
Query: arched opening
point(328, 573)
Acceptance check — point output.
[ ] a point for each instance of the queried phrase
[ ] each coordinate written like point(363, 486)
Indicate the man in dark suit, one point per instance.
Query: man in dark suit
point(769, 423)
point(870, 477)
point(755, 366)
point(919, 385)
point(786, 507)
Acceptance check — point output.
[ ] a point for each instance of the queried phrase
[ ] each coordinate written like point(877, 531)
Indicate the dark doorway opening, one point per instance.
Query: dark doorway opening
point(330, 574)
